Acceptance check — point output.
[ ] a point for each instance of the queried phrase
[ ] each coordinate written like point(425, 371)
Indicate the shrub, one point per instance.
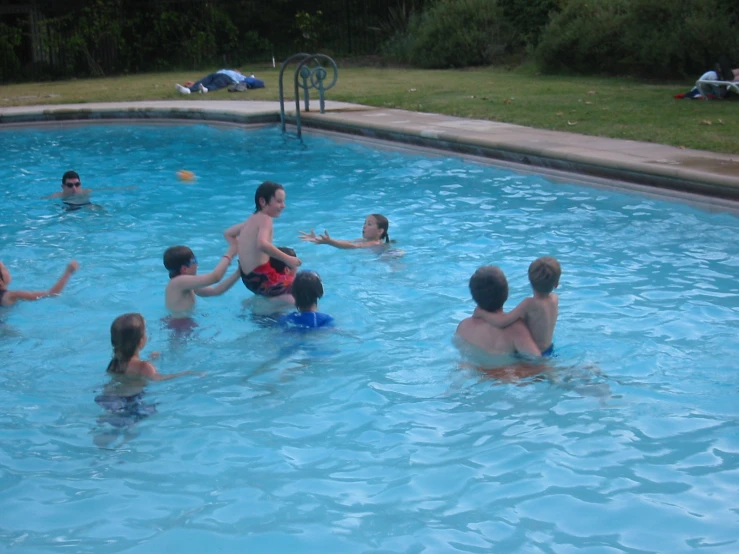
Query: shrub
point(690, 38)
point(10, 38)
point(456, 33)
point(585, 37)
point(649, 38)
point(529, 17)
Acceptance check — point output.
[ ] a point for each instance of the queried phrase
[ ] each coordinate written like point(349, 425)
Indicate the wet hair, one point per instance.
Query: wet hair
point(544, 274)
point(70, 175)
point(489, 288)
point(384, 224)
point(175, 257)
point(278, 265)
point(307, 289)
point(266, 191)
point(126, 333)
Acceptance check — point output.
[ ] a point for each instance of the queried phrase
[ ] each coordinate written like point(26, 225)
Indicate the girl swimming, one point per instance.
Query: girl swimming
point(8, 297)
point(128, 337)
point(374, 233)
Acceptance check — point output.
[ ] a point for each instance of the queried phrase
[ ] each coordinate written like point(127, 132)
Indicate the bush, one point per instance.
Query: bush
point(687, 42)
point(585, 37)
point(529, 17)
point(649, 38)
point(10, 39)
point(455, 33)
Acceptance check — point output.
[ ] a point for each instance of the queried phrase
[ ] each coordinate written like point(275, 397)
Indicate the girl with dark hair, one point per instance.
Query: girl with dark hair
point(374, 233)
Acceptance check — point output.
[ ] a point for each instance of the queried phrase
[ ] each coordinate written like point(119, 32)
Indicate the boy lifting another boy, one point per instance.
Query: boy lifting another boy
point(254, 238)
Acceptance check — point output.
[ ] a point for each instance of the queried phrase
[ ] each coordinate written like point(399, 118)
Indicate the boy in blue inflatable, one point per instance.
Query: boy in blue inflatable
point(307, 289)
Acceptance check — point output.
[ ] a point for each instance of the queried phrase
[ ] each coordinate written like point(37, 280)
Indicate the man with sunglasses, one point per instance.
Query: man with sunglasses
point(72, 194)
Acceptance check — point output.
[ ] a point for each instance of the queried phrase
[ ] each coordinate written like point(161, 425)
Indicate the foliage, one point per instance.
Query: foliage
point(455, 33)
point(10, 38)
point(310, 28)
point(650, 38)
point(529, 17)
point(687, 42)
point(585, 37)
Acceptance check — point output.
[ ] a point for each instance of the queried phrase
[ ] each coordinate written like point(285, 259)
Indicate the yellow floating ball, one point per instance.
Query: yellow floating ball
point(184, 175)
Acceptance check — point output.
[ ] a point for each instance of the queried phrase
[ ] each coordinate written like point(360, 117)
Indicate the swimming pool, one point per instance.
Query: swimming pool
point(372, 441)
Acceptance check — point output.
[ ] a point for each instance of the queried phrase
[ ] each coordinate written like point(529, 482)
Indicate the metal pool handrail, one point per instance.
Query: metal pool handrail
point(311, 78)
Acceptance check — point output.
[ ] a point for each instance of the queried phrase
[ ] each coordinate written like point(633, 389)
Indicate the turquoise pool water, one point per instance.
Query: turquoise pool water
point(374, 440)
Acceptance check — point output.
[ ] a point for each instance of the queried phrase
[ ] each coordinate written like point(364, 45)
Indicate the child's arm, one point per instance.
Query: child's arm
point(194, 282)
point(264, 243)
point(150, 372)
point(221, 287)
point(13, 295)
point(325, 238)
point(523, 343)
point(232, 233)
point(501, 320)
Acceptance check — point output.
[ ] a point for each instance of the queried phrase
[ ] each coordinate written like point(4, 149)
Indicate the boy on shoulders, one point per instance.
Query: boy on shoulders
point(539, 312)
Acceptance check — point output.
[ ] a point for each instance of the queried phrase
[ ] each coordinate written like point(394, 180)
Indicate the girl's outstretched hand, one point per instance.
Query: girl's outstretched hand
point(325, 238)
point(308, 237)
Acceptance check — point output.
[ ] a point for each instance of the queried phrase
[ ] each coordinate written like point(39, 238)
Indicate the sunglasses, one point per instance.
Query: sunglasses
point(193, 261)
point(73, 185)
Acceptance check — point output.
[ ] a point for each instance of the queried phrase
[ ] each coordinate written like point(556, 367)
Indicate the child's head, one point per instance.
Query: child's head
point(280, 266)
point(180, 260)
point(266, 193)
point(307, 289)
point(489, 288)
point(544, 274)
point(5, 277)
point(127, 337)
point(375, 228)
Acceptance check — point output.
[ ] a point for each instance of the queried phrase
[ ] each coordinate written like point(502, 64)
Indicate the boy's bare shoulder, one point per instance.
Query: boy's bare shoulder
point(257, 220)
point(177, 282)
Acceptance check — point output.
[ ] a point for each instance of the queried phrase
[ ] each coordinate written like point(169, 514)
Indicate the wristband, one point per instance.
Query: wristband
point(229, 258)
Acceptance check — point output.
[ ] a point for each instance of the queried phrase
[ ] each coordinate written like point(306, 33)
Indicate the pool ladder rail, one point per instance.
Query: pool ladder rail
point(307, 77)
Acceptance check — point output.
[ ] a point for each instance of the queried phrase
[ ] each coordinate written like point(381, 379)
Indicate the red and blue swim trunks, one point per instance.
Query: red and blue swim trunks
point(266, 281)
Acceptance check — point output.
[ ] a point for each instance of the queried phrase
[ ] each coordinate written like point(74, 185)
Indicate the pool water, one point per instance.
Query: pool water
point(374, 439)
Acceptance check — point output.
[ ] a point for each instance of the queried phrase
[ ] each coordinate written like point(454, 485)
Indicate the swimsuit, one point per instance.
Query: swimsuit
point(305, 320)
point(124, 411)
point(265, 281)
point(2, 293)
point(180, 325)
point(549, 351)
point(71, 206)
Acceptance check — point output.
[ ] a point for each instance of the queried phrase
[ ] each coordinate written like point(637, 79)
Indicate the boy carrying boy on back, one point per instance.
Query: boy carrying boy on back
point(254, 237)
point(538, 312)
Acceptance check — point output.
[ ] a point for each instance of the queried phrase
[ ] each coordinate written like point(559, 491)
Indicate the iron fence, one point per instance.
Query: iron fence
point(47, 39)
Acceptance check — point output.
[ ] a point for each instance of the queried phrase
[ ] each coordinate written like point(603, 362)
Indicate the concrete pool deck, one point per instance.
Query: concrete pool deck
point(666, 167)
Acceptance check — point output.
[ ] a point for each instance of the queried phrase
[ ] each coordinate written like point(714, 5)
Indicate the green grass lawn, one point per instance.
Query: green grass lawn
point(611, 107)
